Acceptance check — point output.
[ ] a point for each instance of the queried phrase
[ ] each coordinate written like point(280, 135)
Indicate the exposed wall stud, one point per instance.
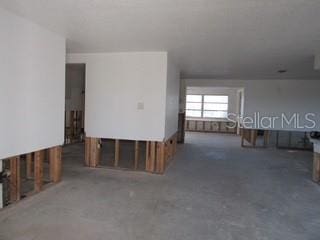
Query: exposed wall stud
point(147, 156)
point(136, 154)
point(55, 164)
point(29, 165)
point(117, 153)
point(152, 156)
point(316, 167)
point(38, 170)
point(15, 181)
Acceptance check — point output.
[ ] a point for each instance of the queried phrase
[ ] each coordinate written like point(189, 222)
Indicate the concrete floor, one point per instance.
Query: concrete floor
point(212, 190)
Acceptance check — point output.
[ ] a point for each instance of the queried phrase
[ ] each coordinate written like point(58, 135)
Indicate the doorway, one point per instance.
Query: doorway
point(74, 103)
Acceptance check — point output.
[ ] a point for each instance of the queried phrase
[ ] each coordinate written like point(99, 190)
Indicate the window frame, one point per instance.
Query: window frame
point(202, 110)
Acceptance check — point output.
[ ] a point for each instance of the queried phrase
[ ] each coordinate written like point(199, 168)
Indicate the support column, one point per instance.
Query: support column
point(55, 162)
point(15, 181)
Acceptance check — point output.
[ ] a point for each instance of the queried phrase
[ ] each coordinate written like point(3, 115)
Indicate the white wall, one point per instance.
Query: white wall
point(274, 97)
point(172, 99)
point(230, 92)
point(116, 83)
point(32, 85)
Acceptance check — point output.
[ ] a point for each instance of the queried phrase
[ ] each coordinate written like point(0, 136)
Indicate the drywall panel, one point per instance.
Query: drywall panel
point(125, 94)
point(230, 92)
point(172, 99)
point(275, 98)
point(32, 67)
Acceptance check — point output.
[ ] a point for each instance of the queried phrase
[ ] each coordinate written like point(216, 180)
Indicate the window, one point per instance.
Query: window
point(194, 106)
point(207, 106)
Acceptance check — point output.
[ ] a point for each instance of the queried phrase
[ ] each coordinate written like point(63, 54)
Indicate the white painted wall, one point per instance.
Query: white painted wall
point(172, 99)
point(32, 86)
point(274, 97)
point(230, 92)
point(116, 83)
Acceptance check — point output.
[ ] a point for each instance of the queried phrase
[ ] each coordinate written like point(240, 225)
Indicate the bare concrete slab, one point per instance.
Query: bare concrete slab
point(212, 190)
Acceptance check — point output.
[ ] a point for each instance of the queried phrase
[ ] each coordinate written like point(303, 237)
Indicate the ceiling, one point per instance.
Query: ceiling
point(207, 38)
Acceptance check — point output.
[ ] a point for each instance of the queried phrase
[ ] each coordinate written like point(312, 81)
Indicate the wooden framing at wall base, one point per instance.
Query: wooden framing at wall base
point(116, 153)
point(316, 167)
point(250, 136)
point(159, 154)
point(213, 126)
point(15, 181)
point(55, 161)
point(136, 154)
point(34, 170)
point(38, 170)
point(29, 164)
point(74, 126)
point(92, 151)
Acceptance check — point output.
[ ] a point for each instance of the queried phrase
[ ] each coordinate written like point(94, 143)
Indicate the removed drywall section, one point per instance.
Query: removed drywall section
point(272, 98)
point(32, 88)
point(172, 99)
point(125, 94)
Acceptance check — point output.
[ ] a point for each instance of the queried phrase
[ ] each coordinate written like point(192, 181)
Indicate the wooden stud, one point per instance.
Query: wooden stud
point(29, 167)
point(136, 154)
point(152, 156)
point(87, 151)
point(38, 170)
point(316, 167)
point(15, 181)
point(55, 163)
point(117, 153)
point(160, 157)
point(95, 154)
point(92, 151)
point(147, 156)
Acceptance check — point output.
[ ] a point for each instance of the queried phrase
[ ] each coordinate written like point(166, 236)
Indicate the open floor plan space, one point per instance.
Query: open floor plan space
point(213, 189)
point(160, 120)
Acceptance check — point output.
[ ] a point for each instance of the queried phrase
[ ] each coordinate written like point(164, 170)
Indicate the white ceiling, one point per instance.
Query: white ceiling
point(207, 38)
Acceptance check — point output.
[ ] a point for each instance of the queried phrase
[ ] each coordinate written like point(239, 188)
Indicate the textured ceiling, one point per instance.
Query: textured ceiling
point(207, 38)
